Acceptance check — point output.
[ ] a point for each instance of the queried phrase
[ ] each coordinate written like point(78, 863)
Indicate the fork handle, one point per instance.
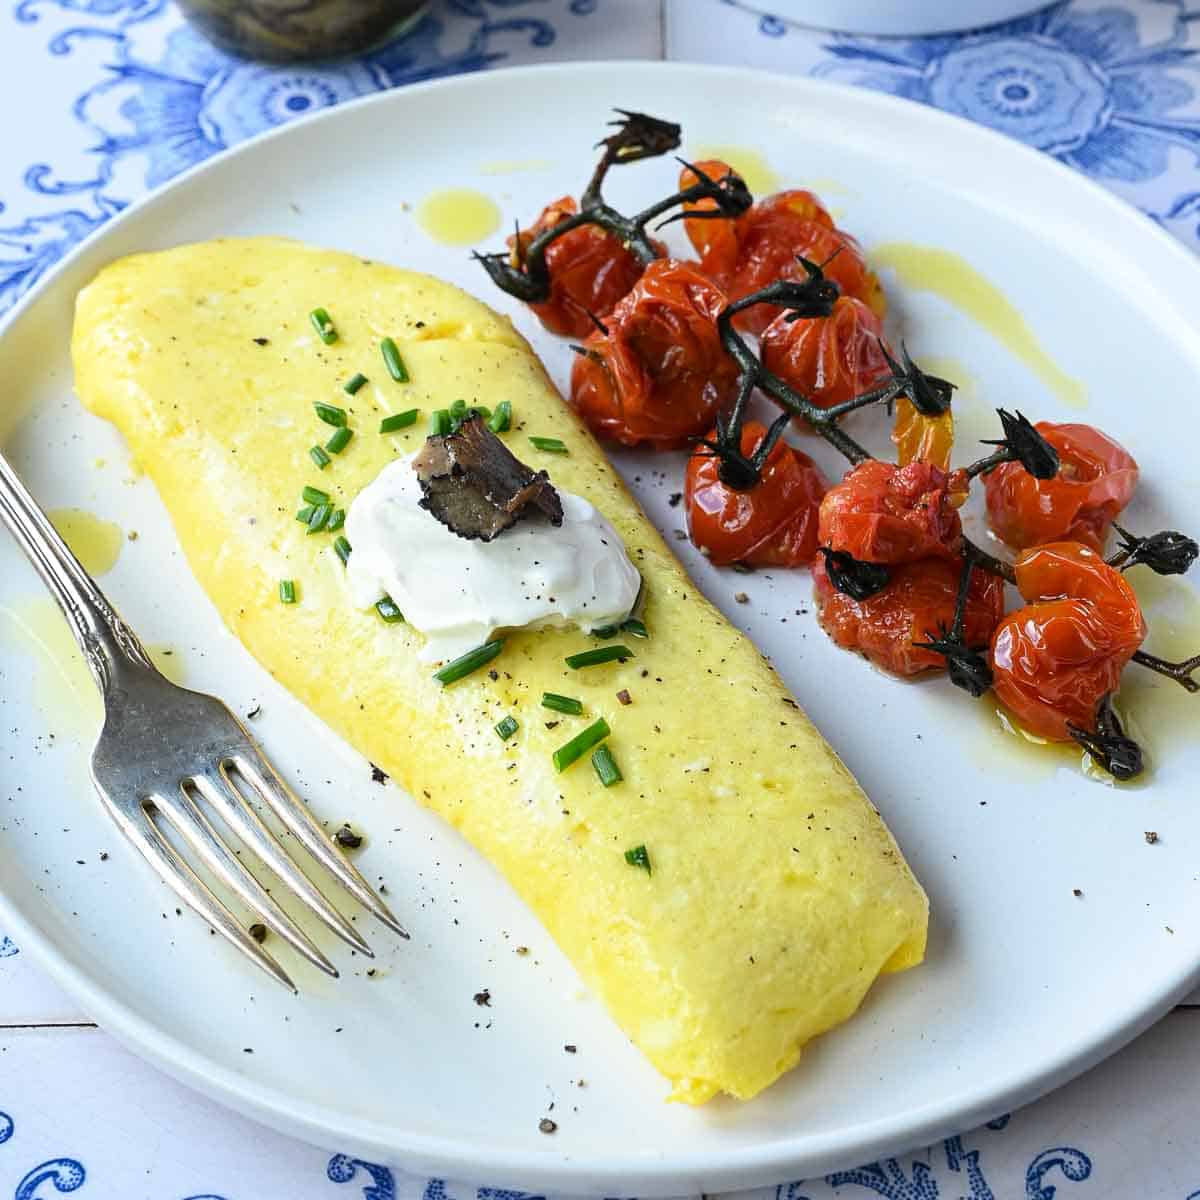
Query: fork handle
point(108, 644)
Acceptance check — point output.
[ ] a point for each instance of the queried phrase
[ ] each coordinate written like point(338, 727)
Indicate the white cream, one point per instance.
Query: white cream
point(459, 592)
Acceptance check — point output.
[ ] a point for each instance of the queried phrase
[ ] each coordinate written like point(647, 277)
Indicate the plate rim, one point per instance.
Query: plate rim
point(769, 1162)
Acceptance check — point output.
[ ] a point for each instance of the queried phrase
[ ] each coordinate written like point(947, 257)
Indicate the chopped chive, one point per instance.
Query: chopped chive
point(356, 381)
point(320, 516)
point(330, 414)
point(501, 418)
point(639, 857)
point(323, 324)
point(606, 766)
point(439, 423)
point(635, 628)
point(339, 441)
point(549, 445)
point(343, 548)
point(606, 631)
point(305, 513)
point(602, 654)
point(507, 727)
point(394, 363)
point(319, 457)
point(480, 410)
point(467, 663)
point(314, 495)
point(399, 420)
point(337, 519)
point(458, 410)
point(287, 591)
point(562, 704)
point(389, 610)
point(580, 744)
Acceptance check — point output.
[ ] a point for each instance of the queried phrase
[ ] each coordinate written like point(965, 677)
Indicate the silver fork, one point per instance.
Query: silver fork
point(163, 749)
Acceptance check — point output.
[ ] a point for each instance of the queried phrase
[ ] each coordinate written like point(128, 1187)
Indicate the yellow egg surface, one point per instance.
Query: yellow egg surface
point(776, 894)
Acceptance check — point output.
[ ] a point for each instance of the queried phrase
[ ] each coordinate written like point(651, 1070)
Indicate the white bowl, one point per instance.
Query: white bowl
point(898, 16)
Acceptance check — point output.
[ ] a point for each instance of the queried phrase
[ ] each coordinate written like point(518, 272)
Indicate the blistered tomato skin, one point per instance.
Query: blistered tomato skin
point(828, 359)
point(1096, 479)
point(590, 270)
point(883, 513)
point(1055, 658)
point(773, 523)
point(659, 375)
point(915, 606)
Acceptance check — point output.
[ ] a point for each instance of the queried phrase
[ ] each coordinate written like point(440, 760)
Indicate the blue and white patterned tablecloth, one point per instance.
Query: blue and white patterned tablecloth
point(104, 99)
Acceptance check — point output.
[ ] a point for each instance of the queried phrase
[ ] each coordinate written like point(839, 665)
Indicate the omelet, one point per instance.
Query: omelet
point(736, 894)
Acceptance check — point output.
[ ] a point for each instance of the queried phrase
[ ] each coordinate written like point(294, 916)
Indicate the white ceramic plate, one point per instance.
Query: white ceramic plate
point(1026, 984)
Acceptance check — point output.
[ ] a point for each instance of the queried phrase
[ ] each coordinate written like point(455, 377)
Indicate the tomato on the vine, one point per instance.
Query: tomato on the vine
point(659, 373)
point(1096, 479)
point(590, 270)
point(921, 438)
point(1054, 659)
point(916, 605)
point(883, 513)
point(761, 246)
point(774, 523)
point(828, 359)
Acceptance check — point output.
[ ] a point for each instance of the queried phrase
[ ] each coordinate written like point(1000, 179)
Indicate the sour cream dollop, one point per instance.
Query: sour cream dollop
point(458, 592)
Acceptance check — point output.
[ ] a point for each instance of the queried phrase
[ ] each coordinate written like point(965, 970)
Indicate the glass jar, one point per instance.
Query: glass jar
point(297, 30)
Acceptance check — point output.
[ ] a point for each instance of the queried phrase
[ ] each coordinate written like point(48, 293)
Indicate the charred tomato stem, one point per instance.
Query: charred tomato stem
point(988, 562)
point(1108, 744)
point(966, 666)
point(1021, 443)
point(1181, 672)
point(1167, 552)
point(854, 578)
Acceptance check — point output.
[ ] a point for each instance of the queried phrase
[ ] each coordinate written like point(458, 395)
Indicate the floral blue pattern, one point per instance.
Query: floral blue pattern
point(7, 949)
point(1080, 85)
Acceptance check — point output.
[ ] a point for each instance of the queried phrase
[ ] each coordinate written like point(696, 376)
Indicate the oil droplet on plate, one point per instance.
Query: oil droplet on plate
point(949, 275)
point(750, 164)
point(95, 542)
point(458, 216)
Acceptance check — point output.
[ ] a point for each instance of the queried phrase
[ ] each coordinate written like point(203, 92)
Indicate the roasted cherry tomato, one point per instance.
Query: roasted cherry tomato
point(714, 238)
point(883, 513)
point(590, 270)
point(919, 438)
point(1054, 659)
point(660, 374)
point(1095, 480)
point(765, 242)
point(828, 359)
point(915, 606)
point(774, 524)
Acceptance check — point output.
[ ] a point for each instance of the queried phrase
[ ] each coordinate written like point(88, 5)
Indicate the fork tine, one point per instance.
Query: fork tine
point(198, 831)
point(262, 777)
point(195, 893)
point(222, 794)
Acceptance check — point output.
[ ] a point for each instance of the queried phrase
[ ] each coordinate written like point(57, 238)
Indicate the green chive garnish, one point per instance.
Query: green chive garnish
point(356, 381)
point(458, 410)
point(606, 631)
point(395, 364)
point(501, 418)
point(336, 520)
point(323, 325)
point(507, 728)
point(305, 513)
point(635, 628)
point(580, 744)
point(399, 420)
point(639, 857)
point(314, 495)
point(549, 445)
point(319, 457)
point(439, 422)
point(343, 549)
point(287, 591)
point(606, 766)
point(389, 610)
point(339, 441)
point(467, 663)
point(331, 414)
point(320, 516)
point(562, 704)
point(602, 654)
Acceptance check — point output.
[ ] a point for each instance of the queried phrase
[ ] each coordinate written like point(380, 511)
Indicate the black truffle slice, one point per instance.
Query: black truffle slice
point(476, 487)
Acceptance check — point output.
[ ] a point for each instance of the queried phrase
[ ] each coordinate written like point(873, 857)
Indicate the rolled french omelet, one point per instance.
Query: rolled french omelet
point(775, 895)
